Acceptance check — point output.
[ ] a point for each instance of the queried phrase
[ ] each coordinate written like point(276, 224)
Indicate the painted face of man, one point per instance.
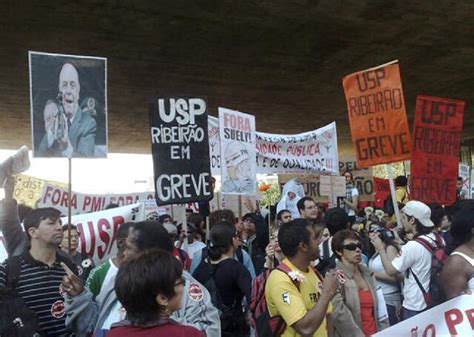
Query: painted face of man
point(69, 87)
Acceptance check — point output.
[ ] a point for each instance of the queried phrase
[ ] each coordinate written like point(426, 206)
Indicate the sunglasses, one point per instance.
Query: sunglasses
point(180, 281)
point(352, 246)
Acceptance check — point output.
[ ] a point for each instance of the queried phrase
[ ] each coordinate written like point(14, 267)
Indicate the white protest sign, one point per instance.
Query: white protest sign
point(308, 152)
point(98, 231)
point(57, 197)
point(237, 137)
point(452, 318)
point(312, 151)
point(465, 174)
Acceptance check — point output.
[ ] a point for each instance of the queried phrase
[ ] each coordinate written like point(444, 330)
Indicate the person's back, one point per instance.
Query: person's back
point(227, 280)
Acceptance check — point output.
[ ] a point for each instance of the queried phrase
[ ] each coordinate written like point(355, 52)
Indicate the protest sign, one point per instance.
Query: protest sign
point(57, 197)
point(381, 191)
point(68, 99)
point(465, 174)
point(180, 150)
point(436, 145)
point(98, 231)
point(452, 318)
point(377, 115)
point(237, 137)
point(28, 190)
point(214, 145)
point(308, 152)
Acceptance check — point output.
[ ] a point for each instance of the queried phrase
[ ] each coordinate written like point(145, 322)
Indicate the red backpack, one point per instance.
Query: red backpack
point(264, 324)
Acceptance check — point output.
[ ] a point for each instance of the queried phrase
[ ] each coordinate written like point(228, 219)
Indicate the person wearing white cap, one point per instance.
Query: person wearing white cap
point(414, 261)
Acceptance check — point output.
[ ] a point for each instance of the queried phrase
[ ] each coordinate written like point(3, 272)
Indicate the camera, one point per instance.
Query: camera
point(385, 234)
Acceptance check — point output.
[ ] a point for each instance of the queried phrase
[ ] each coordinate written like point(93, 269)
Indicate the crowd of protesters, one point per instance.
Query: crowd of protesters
point(314, 271)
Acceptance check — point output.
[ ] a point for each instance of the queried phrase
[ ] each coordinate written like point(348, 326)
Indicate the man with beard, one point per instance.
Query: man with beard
point(77, 138)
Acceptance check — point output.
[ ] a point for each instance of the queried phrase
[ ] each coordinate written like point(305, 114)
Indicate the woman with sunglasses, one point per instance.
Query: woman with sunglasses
point(227, 279)
point(356, 304)
point(150, 288)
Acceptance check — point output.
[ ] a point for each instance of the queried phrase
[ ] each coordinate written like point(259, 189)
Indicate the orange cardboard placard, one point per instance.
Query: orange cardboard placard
point(377, 115)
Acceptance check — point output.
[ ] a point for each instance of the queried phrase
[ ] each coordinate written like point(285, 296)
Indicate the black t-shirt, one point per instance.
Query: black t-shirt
point(231, 277)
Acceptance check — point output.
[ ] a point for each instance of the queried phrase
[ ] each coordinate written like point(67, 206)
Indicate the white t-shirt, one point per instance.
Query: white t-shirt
point(418, 258)
point(194, 247)
point(354, 193)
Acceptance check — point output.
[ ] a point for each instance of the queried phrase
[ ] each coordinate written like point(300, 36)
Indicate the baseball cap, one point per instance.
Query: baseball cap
point(419, 211)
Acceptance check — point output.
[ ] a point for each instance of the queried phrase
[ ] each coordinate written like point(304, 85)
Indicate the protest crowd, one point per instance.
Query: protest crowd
point(293, 267)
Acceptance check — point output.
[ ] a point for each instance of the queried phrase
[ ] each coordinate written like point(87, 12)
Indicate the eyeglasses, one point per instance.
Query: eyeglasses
point(352, 246)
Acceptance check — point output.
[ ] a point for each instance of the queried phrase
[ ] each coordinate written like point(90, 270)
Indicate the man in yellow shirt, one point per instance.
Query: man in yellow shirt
point(303, 307)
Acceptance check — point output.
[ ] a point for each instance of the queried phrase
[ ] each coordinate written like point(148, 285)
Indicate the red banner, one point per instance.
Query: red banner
point(436, 146)
point(377, 115)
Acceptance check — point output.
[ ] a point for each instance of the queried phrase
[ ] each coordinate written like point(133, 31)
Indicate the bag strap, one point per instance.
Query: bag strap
point(418, 282)
point(13, 271)
point(285, 269)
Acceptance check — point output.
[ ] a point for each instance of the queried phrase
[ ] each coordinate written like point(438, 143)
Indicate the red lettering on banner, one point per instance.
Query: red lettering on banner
point(430, 328)
point(91, 251)
point(47, 193)
point(87, 202)
point(237, 122)
point(129, 200)
point(453, 317)
point(470, 317)
point(117, 221)
point(103, 225)
point(97, 204)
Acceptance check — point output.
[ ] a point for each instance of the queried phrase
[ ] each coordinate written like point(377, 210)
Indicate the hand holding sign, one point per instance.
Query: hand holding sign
point(71, 284)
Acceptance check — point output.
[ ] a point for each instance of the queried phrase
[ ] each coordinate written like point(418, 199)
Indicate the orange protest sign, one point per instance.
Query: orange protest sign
point(377, 115)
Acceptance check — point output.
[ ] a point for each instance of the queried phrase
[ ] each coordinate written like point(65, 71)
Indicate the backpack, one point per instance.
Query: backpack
point(16, 319)
point(263, 323)
point(435, 295)
point(232, 317)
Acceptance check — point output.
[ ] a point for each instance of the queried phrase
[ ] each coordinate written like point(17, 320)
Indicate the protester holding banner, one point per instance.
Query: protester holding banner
point(356, 305)
point(457, 276)
point(151, 288)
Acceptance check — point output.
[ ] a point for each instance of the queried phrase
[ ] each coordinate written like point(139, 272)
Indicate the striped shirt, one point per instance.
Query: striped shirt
point(38, 286)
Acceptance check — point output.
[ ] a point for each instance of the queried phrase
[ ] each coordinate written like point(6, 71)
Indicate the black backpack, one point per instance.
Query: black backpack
point(16, 319)
point(231, 317)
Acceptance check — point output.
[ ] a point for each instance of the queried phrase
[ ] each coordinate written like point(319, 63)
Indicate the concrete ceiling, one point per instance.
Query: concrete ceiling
point(282, 61)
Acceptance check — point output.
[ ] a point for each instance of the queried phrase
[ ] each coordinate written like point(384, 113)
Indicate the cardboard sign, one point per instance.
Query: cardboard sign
point(28, 190)
point(180, 150)
point(377, 115)
point(436, 145)
point(452, 318)
point(68, 99)
point(237, 137)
